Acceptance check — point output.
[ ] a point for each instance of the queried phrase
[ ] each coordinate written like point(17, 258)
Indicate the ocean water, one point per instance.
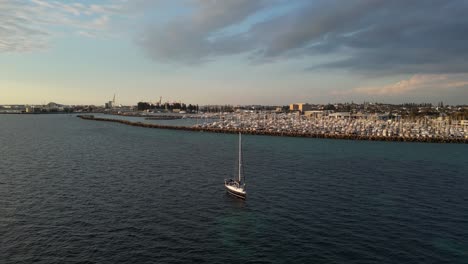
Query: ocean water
point(77, 191)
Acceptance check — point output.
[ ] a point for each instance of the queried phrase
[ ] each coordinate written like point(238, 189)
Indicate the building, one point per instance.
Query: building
point(301, 107)
point(316, 113)
point(29, 109)
point(109, 105)
point(340, 115)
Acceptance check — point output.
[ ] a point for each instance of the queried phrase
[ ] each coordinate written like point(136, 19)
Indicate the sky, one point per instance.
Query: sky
point(271, 52)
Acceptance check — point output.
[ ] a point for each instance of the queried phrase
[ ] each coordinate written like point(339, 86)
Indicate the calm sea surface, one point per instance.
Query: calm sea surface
point(76, 191)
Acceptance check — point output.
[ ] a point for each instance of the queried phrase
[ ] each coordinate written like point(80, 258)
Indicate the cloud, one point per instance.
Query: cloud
point(377, 36)
point(372, 37)
point(101, 22)
point(28, 25)
point(85, 34)
point(417, 84)
point(187, 38)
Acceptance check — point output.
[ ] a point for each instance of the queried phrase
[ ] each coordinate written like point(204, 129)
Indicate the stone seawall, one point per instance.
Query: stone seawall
point(284, 134)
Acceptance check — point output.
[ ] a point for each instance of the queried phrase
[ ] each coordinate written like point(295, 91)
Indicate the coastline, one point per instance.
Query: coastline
point(283, 134)
point(32, 113)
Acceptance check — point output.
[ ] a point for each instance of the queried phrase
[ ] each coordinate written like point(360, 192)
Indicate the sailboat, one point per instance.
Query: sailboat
point(236, 187)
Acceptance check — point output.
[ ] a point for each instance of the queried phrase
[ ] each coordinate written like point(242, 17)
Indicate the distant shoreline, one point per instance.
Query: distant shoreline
point(283, 134)
point(48, 113)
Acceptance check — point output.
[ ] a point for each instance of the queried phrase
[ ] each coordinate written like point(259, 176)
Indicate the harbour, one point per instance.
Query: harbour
point(234, 131)
point(216, 128)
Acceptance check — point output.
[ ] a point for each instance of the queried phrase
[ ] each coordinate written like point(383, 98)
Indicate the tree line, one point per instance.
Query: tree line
point(144, 106)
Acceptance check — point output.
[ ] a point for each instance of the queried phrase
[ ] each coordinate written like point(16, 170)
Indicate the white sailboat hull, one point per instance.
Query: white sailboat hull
point(235, 190)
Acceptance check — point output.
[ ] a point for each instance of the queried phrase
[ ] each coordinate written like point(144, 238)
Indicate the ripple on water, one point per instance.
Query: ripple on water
point(91, 192)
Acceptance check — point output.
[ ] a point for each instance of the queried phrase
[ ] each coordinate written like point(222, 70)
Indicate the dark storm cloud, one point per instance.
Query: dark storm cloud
point(422, 36)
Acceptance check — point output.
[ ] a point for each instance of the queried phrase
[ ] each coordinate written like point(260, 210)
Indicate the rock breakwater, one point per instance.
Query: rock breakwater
point(282, 133)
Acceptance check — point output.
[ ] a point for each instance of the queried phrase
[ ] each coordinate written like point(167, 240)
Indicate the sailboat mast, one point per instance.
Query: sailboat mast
point(240, 157)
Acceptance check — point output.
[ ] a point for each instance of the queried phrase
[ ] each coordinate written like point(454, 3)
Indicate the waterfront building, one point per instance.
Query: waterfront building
point(28, 109)
point(316, 113)
point(383, 117)
point(301, 107)
point(360, 116)
point(293, 107)
point(109, 105)
point(340, 115)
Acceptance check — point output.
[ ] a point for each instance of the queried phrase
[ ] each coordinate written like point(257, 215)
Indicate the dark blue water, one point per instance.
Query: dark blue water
point(76, 191)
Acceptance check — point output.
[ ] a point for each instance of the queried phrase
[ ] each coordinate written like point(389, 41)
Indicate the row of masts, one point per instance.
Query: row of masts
point(432, 128)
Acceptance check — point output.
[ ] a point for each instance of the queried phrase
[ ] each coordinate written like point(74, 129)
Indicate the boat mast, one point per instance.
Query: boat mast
point(240, 157)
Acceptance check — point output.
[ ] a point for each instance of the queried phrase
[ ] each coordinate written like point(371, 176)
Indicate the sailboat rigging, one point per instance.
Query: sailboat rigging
point(237, 187)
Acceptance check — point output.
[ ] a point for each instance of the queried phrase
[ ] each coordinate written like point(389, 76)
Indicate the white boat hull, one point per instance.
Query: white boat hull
point(236, 191)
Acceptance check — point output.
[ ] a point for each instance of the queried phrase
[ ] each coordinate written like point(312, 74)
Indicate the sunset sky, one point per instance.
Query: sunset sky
point(233, 51)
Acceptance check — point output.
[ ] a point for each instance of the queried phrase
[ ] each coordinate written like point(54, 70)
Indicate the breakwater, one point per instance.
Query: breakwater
point(163, 118)
point(282, 133)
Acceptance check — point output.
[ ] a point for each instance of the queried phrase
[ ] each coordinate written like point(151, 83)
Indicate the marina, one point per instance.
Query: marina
point(298, 126)
point(344, 124)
